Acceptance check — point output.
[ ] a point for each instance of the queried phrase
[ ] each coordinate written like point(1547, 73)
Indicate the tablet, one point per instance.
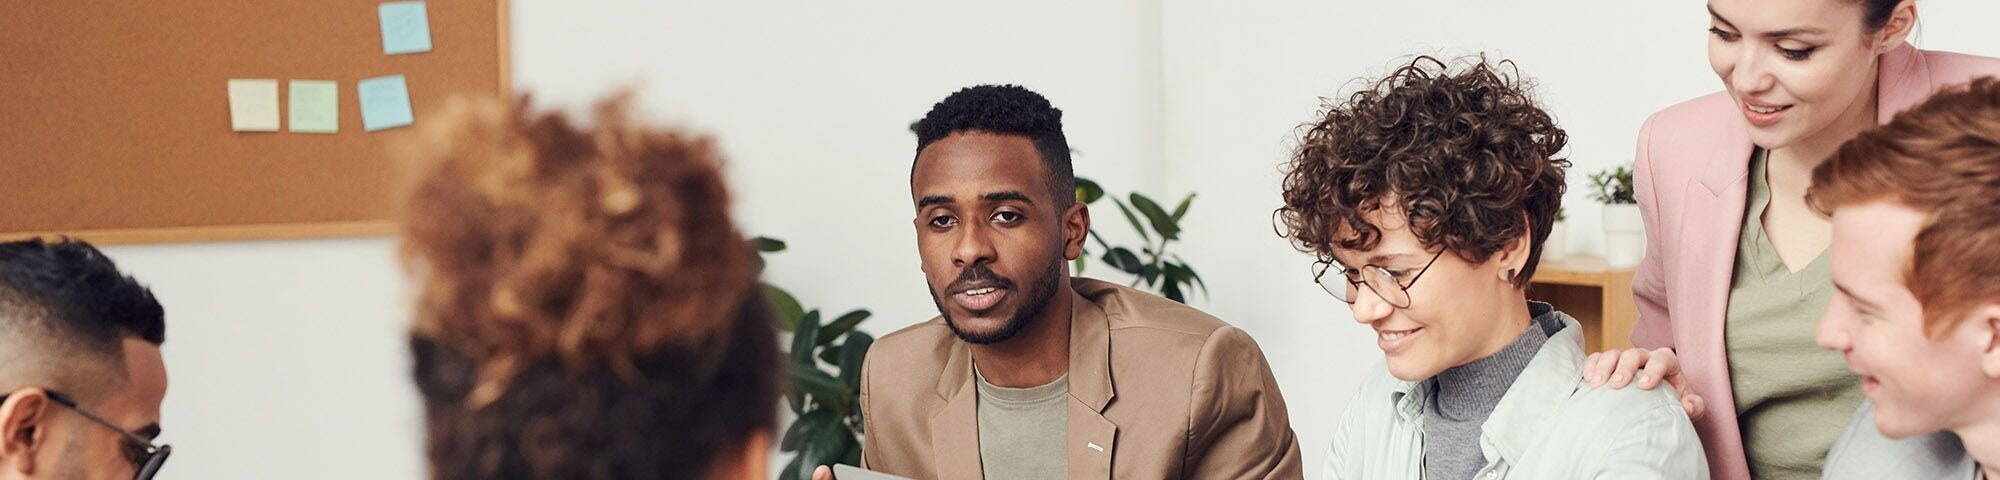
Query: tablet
point(847, 472)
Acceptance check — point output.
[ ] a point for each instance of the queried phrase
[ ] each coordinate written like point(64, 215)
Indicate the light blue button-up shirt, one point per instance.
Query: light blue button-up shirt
point(1549, 425)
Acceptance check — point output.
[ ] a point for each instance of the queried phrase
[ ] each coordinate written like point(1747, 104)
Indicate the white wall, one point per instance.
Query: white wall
point(284, 359)
point(813, 101)
point(1241, 75)
point(287, 358)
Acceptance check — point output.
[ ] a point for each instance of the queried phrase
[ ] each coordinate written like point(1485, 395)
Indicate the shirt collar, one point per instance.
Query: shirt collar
point(1552, 375)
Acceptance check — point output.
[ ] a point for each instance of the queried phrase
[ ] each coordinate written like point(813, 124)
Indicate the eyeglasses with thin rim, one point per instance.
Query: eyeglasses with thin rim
point(145, 456)
point(1346, 284)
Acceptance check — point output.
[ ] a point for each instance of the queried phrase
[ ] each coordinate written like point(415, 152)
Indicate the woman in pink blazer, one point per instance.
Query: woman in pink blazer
point(1800, 78)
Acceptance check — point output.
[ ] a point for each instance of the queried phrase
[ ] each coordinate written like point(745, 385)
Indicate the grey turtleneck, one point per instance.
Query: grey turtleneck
point(1463, 396)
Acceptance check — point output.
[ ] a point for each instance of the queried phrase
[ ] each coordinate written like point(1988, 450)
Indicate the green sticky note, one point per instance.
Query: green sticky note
point(315, 106)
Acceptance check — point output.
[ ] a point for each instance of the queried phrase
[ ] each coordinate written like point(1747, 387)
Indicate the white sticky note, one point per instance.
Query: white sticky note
point(406, 27)
point(253, 104)
point(385, 103)
point(315, 106)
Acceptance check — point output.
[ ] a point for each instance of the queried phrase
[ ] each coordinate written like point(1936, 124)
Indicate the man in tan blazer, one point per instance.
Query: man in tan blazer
point(1029, 373)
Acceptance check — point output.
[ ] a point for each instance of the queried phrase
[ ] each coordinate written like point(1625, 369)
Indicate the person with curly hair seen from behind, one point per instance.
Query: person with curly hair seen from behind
point(586, 310)
point(1425, 198)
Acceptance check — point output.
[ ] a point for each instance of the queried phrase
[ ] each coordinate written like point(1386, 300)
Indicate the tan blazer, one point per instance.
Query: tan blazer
point(1157, 390)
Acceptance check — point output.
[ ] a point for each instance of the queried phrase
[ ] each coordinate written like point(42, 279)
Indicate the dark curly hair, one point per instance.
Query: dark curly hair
point(1006, 110)
point(1466, 155)
point(587, 311)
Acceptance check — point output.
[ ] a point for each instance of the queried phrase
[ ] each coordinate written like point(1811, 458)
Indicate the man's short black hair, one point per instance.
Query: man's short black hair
point(75, 292)
point(1005, 110)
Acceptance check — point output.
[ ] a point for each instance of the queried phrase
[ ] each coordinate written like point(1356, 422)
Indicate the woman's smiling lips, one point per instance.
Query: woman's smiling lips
point(1763, 114)
point(1393, 341)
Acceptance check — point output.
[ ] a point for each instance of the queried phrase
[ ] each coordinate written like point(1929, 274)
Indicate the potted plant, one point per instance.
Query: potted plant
point(1624, 233)
point(824, 366)
point(1163, 272)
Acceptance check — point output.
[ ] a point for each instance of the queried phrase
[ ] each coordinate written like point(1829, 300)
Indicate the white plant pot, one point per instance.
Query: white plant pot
point(1557, 246)
point(1624, 235)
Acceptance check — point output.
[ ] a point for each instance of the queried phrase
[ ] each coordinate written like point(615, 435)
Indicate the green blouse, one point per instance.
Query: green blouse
point(1793, 398)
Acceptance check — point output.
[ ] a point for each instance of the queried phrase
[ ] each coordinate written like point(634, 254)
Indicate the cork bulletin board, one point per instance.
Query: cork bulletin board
point(115, 114)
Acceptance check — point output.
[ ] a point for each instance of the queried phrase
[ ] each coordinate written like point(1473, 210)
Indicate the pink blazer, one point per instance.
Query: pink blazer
point(1691, 181)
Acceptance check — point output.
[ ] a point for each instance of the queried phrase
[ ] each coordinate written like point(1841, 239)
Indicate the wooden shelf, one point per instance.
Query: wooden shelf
point(1596, 293)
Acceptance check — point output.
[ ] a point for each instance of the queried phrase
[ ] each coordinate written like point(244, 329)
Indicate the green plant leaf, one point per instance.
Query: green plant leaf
point(794, 396)
point(830, 354)
point(806, 426)
point(1099, 238)
point(1123, 259)
point(1077, 269)
point(840, 326)
point(803, 339)
point(853, 456)
point(784, 306)
point(825, 447)
point(767, 244)
point(1185, 274)
point(852, 353)
point(1087, 191)
point(1181, 211)
point(1162, 222)
point(791, 471)
point(1129, 217)
point(1149, 273)
point(1172, 290)
point(825, 392)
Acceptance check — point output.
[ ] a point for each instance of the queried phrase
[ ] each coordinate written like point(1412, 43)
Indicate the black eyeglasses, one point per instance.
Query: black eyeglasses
point(146, 457)
point(1349, 281)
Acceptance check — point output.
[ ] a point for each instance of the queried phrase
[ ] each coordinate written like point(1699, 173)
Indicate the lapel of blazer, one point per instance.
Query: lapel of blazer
point(955, 428)
point(1714, 207)
point(1091, 436)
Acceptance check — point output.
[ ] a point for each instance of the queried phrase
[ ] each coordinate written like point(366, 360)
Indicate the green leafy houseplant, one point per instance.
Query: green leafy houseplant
point(1624, 228)
point(1158, 269)
point(824, 364)
point(1612, 186)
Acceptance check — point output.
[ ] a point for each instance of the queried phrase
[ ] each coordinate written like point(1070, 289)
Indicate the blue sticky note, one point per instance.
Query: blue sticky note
point(385, 103)
point(405, 28)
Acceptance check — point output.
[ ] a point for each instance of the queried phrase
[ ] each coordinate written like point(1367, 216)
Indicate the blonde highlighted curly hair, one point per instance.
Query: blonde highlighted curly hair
point(579, 280)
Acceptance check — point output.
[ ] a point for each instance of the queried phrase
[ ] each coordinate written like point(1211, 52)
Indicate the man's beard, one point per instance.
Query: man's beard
point(1039, 292)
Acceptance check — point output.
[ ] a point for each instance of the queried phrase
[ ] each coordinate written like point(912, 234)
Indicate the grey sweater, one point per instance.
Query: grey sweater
point(1463, 396)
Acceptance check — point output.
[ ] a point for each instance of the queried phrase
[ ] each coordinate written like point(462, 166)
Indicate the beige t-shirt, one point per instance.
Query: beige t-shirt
point(1022, 430)
point(1793, 399)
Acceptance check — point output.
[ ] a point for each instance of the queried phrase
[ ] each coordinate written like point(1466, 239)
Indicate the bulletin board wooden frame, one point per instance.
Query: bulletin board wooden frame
point(114, 115)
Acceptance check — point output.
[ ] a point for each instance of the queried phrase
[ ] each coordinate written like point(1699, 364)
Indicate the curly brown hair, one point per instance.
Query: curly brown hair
point(1467, 156)
point(584, 298)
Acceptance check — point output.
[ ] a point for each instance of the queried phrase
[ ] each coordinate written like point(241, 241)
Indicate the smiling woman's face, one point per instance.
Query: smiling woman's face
point(1797, 68)
point(1454, 315)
